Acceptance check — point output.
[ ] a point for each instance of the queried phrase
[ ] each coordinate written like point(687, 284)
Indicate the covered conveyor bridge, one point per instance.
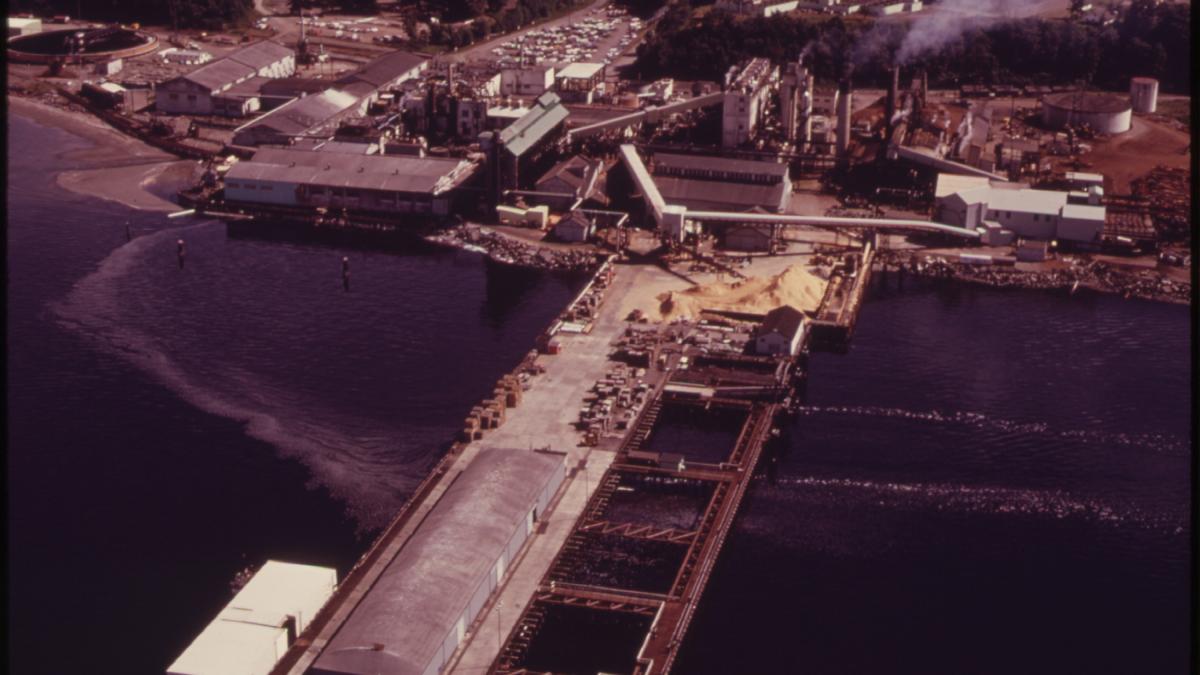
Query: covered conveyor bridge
point(672, 217)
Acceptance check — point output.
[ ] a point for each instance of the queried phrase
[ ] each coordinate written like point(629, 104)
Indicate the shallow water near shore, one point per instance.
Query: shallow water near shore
point(988, 482)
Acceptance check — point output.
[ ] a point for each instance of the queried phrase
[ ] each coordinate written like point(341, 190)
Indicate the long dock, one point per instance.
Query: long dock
point(633, 446)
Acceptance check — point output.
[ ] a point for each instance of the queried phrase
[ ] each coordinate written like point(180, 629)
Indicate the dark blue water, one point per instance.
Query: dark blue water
point(989, 482)
point(168, 427)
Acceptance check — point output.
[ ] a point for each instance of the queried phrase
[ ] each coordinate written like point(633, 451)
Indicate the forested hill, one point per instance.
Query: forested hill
point(184, 13)
point(1147, 39)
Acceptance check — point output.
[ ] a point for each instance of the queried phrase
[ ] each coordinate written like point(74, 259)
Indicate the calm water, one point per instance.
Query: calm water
point(987, 483)
point(168, 427)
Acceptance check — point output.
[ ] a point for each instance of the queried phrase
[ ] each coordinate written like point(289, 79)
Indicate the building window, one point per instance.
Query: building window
point(1008, 214)
point(173, 97)
point(191, 97)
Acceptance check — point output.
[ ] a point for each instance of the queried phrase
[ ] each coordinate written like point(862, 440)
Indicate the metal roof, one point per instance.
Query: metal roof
point(580, 71)
point(217, 74)
point(245, 636)
point(294, 86)
point(385, 68)
point(1044, 202)
point(1083, 212)
point(694, 193)
point(260, 54)
point(546, 114)
point(296, 117)
point(398, 628)
point(785, 320)
point(950, 183)
point(239, 65)
point(669, 161)
point(336, 169)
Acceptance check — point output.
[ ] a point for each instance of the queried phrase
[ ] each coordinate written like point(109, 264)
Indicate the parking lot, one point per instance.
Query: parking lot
point(599, 37)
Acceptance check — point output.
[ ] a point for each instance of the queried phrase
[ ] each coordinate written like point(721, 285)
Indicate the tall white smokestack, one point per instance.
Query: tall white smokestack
point(843, 124)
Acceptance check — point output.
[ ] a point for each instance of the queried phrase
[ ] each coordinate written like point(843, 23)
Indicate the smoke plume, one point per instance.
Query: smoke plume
point(943, 22)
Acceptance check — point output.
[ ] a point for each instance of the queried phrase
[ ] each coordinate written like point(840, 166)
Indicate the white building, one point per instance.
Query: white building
point(254, 630)
point(527, 81)
point(747, 89)
point(1005, 211)
point(196, 91)
point(781, 332)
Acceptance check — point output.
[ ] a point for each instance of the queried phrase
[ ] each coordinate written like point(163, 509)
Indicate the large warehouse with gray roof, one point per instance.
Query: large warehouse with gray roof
point(419, 610)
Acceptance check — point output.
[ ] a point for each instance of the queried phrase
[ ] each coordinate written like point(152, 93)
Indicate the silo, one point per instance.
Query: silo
point(1143, 93)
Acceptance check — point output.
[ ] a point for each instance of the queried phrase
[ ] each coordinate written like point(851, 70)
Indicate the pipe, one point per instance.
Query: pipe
point(831, 221)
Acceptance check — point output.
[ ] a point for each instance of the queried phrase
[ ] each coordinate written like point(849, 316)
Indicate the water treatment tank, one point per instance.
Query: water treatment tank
point(1106, 113)
point(1143, 93)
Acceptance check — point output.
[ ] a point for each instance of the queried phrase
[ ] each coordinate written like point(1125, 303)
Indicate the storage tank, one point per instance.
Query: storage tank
point(1105, 113)
point(1143, 93)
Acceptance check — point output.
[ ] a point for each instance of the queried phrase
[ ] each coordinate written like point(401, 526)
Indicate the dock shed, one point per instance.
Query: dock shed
point(421, 606)
point(259, 624)
point(781, 332)
point(383, 183)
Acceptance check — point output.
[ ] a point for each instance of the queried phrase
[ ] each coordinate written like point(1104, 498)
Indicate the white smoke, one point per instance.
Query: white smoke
point(941, 23)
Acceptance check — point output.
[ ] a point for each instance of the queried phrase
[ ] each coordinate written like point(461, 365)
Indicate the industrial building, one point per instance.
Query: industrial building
point(747, 88)
point(197, 92)
point(526, 80)
point(1006, 211)
point(576, 179)
point(578, 82)
point(382, 73)
point(720, 184)
point(796, 89)
point(781, 332)
point(385, 184)
point(422, 605)
point(511, 151)
point(294, 119)
point(259, 624)
point(1104, 113)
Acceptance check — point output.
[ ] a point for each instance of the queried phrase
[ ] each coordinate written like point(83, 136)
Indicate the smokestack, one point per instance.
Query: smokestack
point(890, 108)
point(843, 125)
point(924, 87)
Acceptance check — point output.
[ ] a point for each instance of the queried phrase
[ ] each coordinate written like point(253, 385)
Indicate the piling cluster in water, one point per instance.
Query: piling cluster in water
point(510, 251)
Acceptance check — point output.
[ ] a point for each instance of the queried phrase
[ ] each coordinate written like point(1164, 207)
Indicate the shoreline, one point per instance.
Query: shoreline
point(115, 167)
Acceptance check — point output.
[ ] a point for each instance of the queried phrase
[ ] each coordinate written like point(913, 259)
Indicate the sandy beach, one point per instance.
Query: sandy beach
point(114, 167)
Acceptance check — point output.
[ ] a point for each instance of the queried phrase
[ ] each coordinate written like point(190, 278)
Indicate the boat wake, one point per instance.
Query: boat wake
point(976, 500)
point(355, 459)
point(1160, 443)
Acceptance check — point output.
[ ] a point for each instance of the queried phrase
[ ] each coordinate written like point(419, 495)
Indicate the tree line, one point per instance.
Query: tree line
point(207, 14)
point(1147, 39)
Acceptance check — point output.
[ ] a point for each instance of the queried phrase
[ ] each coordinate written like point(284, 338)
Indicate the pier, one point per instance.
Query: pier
point(593, 491)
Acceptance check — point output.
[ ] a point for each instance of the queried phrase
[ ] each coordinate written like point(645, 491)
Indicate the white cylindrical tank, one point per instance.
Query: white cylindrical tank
point(1143, 93)
point(1105, 113)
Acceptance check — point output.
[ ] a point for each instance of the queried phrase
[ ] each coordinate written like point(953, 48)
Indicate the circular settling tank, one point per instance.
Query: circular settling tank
point(1106, 113)
point(88, 44)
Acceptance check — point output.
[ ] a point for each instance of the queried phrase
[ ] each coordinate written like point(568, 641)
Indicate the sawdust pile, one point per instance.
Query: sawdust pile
point(795, 286)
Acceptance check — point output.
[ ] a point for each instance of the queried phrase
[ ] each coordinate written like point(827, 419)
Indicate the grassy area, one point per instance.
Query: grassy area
point(1177, 109)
